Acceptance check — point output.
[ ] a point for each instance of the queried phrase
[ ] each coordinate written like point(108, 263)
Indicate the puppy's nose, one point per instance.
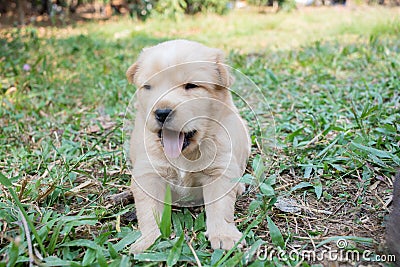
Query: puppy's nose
point(162, 114)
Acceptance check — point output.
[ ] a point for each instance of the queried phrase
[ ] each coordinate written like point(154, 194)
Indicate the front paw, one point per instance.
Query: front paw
point(143, 243)
point(225, 238)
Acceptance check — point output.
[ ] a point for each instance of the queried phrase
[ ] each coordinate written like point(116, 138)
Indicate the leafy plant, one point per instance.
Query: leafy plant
point(165, 222)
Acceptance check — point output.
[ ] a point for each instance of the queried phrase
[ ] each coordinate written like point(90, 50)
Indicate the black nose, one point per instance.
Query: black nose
point(162, 114)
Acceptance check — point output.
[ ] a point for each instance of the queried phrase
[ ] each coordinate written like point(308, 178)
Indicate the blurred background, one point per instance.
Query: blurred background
point(21, 12)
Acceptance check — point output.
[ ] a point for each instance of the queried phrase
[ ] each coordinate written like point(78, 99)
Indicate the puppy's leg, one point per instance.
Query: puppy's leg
point(149, 193)
point(219, 199)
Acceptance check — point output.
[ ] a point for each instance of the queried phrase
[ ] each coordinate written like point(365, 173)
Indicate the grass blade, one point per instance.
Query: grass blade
point(376, 152)
point(101, 259)
point(4, 180)
point(275, 233)
point(176, 251)
point(54, 237)
point(248, 255)
point(13, 254)
point(301, 185)
point(8, 185)
point(127, 240)
point(165, 223)
point(216, 256)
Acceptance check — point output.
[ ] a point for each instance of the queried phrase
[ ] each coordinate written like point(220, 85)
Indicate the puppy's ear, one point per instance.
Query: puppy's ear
point(224, 73)
point(130, 73)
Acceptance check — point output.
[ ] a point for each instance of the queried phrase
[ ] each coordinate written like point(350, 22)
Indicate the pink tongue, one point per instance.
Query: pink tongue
point(173, 143)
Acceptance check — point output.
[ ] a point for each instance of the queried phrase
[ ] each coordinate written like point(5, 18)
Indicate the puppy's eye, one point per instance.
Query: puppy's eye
point(190, 86)
point(147, 86)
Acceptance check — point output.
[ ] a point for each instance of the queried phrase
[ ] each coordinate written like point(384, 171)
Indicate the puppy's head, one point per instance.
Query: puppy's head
point(182, 88)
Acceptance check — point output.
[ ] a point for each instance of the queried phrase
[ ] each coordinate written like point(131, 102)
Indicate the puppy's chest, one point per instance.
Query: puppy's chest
point(182, 178)
point(181, 174)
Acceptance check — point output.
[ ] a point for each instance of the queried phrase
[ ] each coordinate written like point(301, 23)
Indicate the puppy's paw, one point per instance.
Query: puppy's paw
point(241, 189)
point(143, 243)
point(226, 239)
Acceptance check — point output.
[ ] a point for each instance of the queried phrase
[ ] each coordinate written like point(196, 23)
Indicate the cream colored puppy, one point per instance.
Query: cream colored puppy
point(188, 135)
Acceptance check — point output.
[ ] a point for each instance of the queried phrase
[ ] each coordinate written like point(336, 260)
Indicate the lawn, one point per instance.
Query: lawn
point(325, 123)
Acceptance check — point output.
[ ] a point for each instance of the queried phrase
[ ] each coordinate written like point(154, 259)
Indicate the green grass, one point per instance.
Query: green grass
point(333, 93)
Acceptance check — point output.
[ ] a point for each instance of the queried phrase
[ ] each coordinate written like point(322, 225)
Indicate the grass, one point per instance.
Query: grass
point(332, 147)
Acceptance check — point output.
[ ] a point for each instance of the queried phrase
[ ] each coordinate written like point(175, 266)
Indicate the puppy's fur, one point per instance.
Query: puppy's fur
point(198, 150)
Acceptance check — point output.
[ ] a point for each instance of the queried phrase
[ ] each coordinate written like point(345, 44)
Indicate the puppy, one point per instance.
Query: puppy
point(188, 135)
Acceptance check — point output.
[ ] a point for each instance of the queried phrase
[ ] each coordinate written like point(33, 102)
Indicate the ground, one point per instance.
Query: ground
point(324, 124)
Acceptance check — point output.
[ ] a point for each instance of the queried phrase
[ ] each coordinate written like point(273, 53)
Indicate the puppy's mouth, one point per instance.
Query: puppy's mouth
point(175, 142)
